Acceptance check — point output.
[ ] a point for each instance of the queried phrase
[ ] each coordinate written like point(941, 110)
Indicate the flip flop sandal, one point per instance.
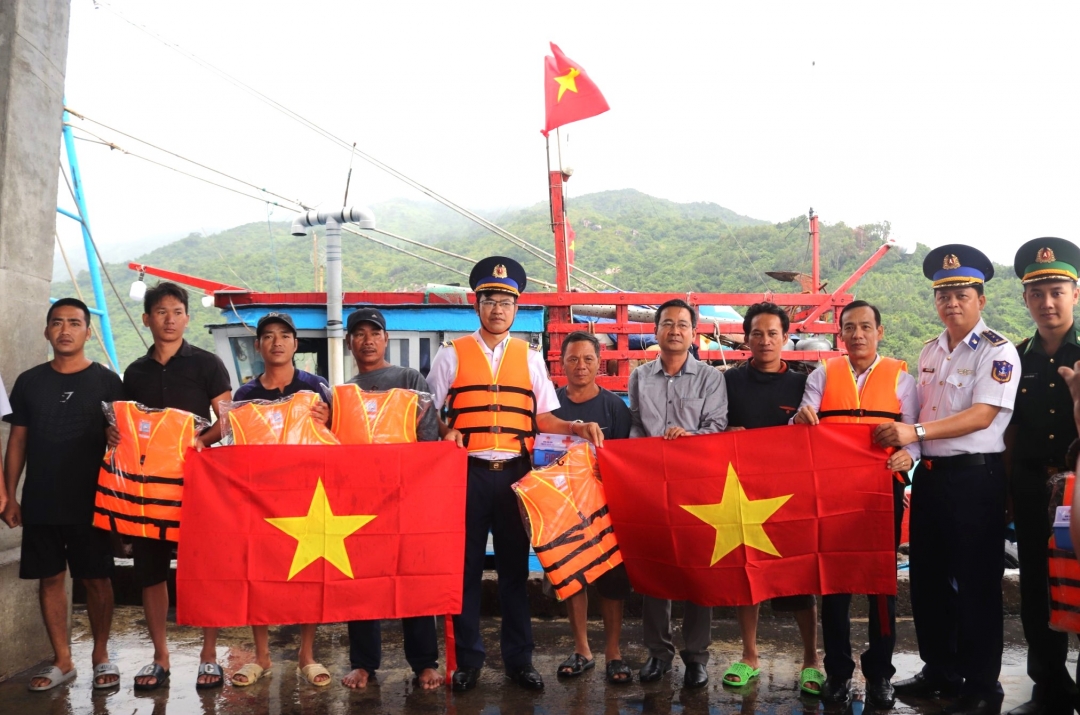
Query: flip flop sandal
point(55, 677)
point(742, 674)
point(310, 672)
point(103, 669)
point(155, 671)
point(810, 680)
point(253, 673)
point(575, 665)
point(616, 668)
point(213, 670)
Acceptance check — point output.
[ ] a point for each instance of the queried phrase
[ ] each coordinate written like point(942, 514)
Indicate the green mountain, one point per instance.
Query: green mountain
point(632, 240)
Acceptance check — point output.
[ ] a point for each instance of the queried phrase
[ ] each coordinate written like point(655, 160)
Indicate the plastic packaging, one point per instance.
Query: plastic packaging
point(285, 421)
point(141, 481)
point(372, 417)
point(1063, 567)
point(564, 508)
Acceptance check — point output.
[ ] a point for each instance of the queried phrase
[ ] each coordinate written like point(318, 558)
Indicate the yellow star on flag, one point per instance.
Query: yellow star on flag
point(737, 519)
point(320, 534)
point(566, 82)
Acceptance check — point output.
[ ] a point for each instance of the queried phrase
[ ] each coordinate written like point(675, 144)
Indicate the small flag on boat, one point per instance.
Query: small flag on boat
point(569, 94)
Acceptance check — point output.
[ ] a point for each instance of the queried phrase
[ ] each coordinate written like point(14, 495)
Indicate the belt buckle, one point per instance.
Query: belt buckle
point(495, 466)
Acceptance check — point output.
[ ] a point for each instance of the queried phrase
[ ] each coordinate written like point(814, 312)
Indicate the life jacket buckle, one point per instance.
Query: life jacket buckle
point(493, 388)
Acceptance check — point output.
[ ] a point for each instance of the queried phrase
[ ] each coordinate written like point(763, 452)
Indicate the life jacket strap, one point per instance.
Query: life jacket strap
point(162, 524)
point(580, 574)
point(894, 416)
point(135, 499)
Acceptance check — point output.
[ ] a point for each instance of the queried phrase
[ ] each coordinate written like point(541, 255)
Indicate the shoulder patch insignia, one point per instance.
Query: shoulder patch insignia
point(1023, 343)
point(448, 343)
point(927, 342)
point(974, 341)
point(994, 338)
point(1002, 371)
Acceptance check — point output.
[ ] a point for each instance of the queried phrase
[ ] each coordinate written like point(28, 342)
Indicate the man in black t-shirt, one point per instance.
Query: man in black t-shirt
point(58, 434)
point(765, 393)
point(582, 400)
point(176, 374)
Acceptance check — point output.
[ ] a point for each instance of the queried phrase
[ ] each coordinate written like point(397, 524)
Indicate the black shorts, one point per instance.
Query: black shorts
point(152, 560)
point(48, 550)
point(787, 604)
point(613, 585)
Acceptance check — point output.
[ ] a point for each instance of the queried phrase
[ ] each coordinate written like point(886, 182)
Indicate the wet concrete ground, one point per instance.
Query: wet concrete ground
point(774, 692)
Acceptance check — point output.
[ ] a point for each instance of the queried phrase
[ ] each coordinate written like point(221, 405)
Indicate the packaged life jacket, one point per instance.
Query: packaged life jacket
point(284, 421)
point(141, 481)
point(361, 417)
point(495, 413)
point(843, 402)
point(1064, 580)
point(566, 514)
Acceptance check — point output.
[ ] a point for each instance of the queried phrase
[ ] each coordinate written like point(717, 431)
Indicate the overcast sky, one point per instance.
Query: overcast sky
point(954, 121)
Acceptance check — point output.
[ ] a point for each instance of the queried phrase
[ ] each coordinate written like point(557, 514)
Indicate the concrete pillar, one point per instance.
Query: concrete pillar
point(33, 58)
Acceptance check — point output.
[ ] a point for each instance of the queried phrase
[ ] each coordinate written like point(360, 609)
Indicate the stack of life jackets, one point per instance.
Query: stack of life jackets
point(284, 421)
point(387, 417)
point(141, 482)
point(843, 402)
point(1064, 579)
point(566, 514)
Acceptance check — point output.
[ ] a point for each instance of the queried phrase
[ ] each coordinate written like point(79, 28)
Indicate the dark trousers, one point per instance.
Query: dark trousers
point(491, 506)
point(421, 644)
point(1047, 649)
point(957, 561)
point(836, 622)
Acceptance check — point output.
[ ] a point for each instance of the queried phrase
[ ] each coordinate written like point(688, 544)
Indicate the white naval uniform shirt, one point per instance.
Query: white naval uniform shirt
point(976, 372)
point(444, 371)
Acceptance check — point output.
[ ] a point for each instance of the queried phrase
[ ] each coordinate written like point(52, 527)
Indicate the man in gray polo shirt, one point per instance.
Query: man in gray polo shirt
point(671, 397)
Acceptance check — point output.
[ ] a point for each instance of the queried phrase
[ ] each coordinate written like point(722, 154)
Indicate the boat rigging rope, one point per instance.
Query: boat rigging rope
point(101, 261)
point(540, 253)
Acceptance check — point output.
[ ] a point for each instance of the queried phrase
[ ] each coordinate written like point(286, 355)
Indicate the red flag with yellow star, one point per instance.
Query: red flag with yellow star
point(734, 518)
point(306, 534)
point(569, 94)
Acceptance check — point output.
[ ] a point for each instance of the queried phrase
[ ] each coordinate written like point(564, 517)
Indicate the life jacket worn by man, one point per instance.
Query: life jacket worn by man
point(141, 482)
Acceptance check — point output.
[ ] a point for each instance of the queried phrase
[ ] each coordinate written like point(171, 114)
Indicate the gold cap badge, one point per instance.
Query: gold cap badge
point(950, 263)
point(1045, 255)
point(500, 271)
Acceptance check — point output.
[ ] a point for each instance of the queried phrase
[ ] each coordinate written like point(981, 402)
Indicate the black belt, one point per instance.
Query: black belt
point(494, 466)
point(960, 460)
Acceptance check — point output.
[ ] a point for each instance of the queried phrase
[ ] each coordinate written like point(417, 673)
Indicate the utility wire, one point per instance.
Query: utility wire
point(101, 261)
point(516, 240)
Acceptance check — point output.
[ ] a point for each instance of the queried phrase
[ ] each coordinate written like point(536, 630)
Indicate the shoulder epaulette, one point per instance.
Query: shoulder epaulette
point(927, 342)
point(994, 338)
point(448, 343)
point(1023, 343)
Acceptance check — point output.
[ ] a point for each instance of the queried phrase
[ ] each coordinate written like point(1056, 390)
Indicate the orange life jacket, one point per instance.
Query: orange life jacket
point(141, 482)
point(285, 421)
point(493, 412)
point(1064, 581)
point(877, 402)
point(568, 522)
point(374, 417)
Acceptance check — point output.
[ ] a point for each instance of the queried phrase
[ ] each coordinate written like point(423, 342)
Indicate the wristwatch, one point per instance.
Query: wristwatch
point(920, 432)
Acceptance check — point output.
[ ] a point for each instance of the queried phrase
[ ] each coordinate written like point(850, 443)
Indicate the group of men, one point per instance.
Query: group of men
point(972, 397)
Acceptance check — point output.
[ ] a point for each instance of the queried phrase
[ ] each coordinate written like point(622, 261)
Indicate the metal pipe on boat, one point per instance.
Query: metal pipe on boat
point(333, 220)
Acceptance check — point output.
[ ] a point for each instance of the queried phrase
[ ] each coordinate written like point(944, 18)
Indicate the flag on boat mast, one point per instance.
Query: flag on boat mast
point(569, 94)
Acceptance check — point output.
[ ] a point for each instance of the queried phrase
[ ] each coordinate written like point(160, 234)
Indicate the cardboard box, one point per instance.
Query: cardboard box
point(1062, 535)
point(549, 447)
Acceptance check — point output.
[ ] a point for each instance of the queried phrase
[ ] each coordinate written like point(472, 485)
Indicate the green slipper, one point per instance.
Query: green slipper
point(739, 674)
point(810, 680)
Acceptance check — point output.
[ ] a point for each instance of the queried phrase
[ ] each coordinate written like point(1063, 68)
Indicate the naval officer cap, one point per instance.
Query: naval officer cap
point(957, 266)
point(498, 273)
point(1047, 259)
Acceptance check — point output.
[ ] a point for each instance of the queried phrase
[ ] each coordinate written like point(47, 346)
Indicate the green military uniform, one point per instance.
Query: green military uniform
point(1043, 428)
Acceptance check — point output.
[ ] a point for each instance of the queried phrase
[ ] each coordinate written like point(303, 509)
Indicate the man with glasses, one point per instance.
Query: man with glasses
point(673, 396)
point(498, 396)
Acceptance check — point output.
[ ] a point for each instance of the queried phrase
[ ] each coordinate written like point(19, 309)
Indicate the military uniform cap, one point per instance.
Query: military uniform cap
point(956, 266)
point(498, 273)
point(1047, 259)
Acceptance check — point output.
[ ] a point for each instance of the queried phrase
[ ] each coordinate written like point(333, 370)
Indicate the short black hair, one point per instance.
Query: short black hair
point(676, 303)
point(493, 294)
point(163, 290)
point(579, 336)
point(855, 305)
point(977, 286)
point(765, 308)
point(64, 302)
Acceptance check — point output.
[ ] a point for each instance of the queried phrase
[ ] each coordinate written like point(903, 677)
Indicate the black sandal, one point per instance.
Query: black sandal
point(214, 671)
point(575, 665)
point(616, 668)
point(155, 671)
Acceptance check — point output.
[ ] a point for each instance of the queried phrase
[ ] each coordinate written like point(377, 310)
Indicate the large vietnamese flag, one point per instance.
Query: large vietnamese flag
point(739, 517)
point(309, 534)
